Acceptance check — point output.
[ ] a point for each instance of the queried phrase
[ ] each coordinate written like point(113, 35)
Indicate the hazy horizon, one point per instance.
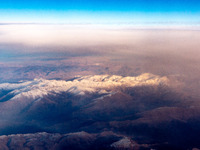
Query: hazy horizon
point(91, 74)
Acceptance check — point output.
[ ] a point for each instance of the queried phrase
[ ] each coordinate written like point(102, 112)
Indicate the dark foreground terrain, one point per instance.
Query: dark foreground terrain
point(148, 115)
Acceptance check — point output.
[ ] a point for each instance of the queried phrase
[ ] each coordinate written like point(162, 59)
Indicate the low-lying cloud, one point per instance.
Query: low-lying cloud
point(116, 49)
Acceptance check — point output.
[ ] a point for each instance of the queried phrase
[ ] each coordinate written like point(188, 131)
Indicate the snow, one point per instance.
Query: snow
point(123, 143)
point(79, 86)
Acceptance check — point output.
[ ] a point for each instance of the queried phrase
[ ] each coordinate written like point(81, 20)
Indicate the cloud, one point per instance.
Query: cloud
point(156, 50)
point(59, 35)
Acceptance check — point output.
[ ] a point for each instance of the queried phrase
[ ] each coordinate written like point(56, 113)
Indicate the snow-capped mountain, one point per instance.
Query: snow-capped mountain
point(135, 108)
point(101, 84)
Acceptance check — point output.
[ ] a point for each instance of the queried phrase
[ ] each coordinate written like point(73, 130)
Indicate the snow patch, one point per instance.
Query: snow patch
point(124, 143)
point(101, 84)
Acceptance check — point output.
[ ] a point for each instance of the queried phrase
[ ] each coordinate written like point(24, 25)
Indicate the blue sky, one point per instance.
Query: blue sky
point(99, 11)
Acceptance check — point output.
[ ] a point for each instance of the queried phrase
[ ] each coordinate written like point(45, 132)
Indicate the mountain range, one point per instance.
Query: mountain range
point(98, 112)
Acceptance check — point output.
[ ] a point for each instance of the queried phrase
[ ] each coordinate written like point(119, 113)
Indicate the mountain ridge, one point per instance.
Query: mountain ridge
point(79, 86)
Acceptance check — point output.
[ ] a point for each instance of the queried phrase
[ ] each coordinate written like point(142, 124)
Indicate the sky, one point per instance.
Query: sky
point(100, 11)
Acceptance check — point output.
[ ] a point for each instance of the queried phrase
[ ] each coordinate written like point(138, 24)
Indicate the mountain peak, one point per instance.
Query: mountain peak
point(98, 83)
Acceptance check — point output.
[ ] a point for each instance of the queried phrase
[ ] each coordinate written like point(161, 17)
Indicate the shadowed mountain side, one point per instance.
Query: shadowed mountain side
point(75, 141)
point(146, 108)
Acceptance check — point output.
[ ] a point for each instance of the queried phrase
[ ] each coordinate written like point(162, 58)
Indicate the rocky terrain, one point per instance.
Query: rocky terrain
point(76, 141)
point(98, 112)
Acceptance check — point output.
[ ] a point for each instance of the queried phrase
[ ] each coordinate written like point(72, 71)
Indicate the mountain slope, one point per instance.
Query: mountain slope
point(145, 109)
point(98, 83)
